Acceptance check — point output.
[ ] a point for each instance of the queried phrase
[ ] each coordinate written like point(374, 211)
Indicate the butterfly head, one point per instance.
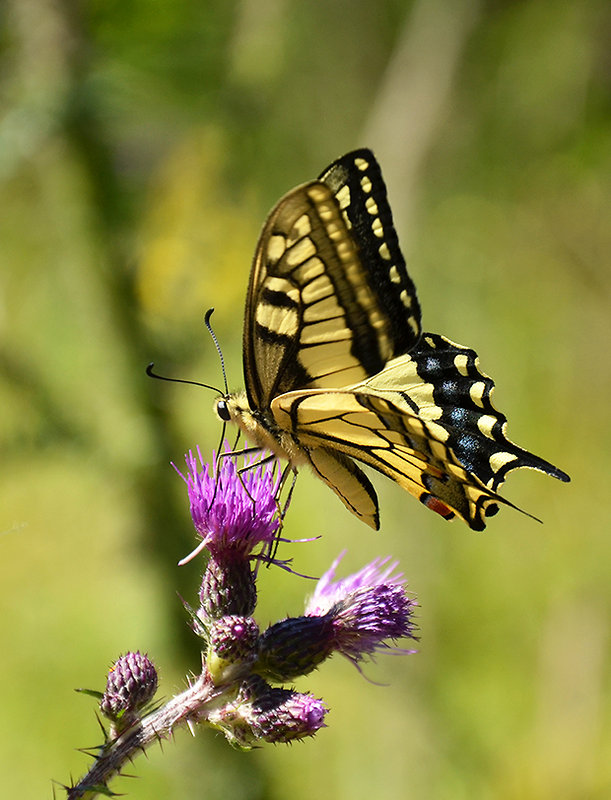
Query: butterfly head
point(234, 408)
point(259, 427)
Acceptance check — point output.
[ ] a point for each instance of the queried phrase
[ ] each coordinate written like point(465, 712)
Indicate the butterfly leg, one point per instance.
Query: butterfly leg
point(289, 496)
point(233, 454)
point(219, 455)
point(282, 510)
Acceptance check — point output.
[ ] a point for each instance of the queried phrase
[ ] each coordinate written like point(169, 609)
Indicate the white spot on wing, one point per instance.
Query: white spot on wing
point(372, 206)
point(476, 392)
point(498, 460)
point(276, 246)
point(486, 423)
point(461, 362)
point(406, 298)
point(343, 197)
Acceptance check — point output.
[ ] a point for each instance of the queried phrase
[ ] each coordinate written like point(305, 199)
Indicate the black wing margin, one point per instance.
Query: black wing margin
point(359, 188)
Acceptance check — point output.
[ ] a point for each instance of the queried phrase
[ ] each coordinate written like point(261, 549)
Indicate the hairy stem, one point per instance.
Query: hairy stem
point(193, 705)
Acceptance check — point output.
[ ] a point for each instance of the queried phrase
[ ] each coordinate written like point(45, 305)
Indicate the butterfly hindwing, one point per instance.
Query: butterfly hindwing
point(426, 421)
point(348, 481)
point(395, 442)
point(442, 382)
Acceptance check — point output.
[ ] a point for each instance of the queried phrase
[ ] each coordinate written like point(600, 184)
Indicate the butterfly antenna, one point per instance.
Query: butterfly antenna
point(151, 374)
point(207, 316)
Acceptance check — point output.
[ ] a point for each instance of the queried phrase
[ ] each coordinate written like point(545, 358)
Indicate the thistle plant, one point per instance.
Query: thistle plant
point(240, 690)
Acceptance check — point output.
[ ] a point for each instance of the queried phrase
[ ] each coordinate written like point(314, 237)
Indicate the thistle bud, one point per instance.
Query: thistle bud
point(294, 647)
point(130, 685)
point(283, 715)
point(232, 647)
point(262, 713)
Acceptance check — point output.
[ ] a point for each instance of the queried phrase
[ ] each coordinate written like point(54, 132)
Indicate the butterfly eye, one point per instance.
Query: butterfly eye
point(223, 410)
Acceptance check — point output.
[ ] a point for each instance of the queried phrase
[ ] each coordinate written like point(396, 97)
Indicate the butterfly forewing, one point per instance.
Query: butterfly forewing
point(313, 314)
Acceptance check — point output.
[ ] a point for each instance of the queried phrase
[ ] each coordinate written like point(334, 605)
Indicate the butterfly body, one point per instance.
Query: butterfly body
point(337, 367)
point(260, 428)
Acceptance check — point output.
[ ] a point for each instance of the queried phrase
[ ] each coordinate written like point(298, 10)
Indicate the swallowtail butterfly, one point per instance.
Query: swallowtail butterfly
point(338, 369)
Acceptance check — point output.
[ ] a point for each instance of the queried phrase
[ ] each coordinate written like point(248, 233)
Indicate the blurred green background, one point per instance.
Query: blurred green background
point(141, 145)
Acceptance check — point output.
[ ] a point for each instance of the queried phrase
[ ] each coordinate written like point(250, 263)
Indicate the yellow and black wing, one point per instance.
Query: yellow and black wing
point(390, 438)
point(427, 422)
point(329, 301)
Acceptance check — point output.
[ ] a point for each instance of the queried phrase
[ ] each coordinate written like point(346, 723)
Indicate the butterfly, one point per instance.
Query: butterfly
point(338, 369)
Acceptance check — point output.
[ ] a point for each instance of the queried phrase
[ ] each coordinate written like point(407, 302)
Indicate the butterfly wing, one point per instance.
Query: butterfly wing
point(426, 421)
point(390, 439)
point(329, 300)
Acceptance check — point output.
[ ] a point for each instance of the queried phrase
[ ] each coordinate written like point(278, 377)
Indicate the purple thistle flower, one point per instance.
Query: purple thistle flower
point(355, 616)
point(366, 608)
point(327, 592)
point(231, 512)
